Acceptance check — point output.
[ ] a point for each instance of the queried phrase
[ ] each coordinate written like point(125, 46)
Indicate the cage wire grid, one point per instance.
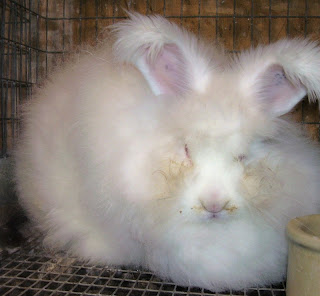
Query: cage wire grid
point(35, 34)
point(33, 271)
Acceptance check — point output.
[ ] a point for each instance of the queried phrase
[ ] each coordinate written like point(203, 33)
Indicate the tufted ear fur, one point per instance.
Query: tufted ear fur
point(172, 60)
point(167, 73)
point(277, 94)
point(282, 74)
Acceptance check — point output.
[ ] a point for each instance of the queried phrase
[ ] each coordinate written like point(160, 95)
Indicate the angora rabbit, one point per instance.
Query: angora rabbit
point(157, 150)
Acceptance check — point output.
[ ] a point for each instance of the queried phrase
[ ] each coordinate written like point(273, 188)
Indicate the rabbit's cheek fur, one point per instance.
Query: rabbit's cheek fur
point(169, 176)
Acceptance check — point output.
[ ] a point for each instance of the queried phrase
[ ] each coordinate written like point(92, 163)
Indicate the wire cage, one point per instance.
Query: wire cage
point(37, 33)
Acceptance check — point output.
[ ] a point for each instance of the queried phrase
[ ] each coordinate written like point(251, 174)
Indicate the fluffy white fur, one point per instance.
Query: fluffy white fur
point(192, 175)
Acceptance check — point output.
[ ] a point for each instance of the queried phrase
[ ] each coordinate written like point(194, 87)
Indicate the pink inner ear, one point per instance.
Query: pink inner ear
point(277, 93)
point(168, 71)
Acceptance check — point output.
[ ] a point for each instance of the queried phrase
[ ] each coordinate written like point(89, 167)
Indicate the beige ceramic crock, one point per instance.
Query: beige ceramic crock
point(303, 277)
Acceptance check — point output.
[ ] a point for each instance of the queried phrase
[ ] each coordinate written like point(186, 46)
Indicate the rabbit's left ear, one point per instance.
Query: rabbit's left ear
point(171, 59)
point(167, 72)
point(280, 75)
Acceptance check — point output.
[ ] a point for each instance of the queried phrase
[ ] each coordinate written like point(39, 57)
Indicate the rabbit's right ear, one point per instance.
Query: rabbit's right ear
point(279, 75)
point(172, 60)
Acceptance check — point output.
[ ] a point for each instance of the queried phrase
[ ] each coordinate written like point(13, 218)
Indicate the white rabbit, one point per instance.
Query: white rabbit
point(156, 150)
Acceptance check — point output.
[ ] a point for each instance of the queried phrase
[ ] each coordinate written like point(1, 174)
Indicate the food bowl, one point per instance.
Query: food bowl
point(303, 277)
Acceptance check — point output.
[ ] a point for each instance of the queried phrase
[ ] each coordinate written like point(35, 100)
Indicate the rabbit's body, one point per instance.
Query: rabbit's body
point(192, 178)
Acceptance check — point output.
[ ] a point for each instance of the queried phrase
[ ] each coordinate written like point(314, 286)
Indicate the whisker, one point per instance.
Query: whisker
point(295, 200)
point(161, 173)
point(91, 53)
point(165, 198)
point(277, 221)
point(266, 215)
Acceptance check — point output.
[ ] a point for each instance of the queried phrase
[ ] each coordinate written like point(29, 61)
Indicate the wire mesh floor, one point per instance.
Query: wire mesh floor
point(31, 270)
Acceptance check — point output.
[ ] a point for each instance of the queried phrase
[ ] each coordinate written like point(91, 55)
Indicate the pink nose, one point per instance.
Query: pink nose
point(215, 203)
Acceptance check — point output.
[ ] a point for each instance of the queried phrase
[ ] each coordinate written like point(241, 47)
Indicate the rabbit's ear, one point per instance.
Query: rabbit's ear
point(276, 93)
point(167, 73)
point(281, 74)
point(172, 60)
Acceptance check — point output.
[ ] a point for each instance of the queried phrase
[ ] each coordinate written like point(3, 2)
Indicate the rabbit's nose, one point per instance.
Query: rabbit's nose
point(215, 203)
